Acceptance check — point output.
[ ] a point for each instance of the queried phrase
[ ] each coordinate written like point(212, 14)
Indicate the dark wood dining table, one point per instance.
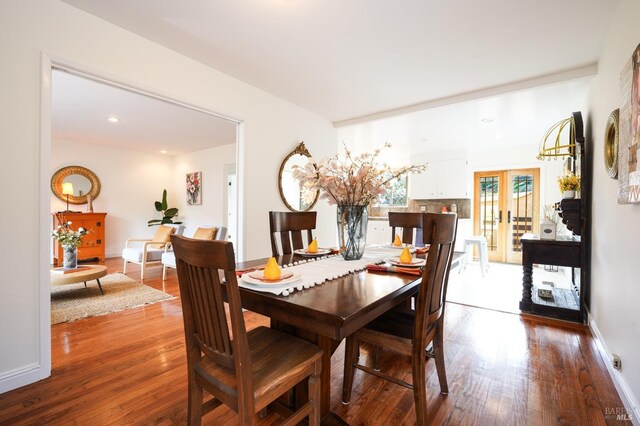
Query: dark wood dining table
point(328, 313)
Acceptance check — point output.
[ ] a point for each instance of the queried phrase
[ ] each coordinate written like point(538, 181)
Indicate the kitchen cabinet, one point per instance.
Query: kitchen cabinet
point(378, 232)
point(442, 179)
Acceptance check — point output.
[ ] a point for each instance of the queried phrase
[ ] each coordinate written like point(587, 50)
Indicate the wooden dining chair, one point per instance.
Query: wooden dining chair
point(410, 332)
point(411, 224)
point(250, 370)
point(288, 227)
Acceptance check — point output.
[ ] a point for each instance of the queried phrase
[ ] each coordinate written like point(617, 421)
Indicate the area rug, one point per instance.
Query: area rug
point(73, 301)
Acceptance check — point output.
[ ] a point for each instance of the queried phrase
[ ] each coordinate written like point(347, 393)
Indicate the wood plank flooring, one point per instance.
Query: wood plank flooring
point(503, 369)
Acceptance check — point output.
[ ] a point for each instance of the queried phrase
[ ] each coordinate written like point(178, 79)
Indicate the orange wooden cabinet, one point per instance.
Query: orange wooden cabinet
point(93, 244)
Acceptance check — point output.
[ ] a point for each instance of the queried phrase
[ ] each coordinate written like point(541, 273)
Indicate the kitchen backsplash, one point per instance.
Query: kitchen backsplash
point(463, 207)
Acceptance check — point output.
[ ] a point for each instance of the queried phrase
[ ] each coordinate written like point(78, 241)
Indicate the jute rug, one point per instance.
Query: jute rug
point(73, 301)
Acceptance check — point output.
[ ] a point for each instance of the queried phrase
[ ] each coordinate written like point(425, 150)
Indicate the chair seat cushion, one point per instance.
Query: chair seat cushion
point(169, 259)
point(278, 361)
point(134, 254)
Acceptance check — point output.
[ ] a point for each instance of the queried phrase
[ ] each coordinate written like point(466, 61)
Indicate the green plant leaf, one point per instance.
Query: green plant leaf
point(158, 206)
point(164, 199)
point(171, 212)
point(166, 220)
point(153, 222)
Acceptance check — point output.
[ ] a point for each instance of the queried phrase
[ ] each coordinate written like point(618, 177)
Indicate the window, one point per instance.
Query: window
point(396, 196)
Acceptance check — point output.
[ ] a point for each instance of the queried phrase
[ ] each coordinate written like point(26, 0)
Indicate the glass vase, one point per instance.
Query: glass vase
point(352, 231)
point(70, 259)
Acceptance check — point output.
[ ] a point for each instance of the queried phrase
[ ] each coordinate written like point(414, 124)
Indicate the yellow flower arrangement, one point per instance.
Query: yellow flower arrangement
point(569, 182)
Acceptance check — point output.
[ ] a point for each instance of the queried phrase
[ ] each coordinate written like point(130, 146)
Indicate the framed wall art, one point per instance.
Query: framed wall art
point(629, 128)
point(194, 188)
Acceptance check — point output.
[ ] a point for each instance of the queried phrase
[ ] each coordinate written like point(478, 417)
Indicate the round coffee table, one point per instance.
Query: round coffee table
point(94, 272)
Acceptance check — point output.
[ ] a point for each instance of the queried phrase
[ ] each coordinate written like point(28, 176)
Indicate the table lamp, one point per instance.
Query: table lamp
point(67, 189)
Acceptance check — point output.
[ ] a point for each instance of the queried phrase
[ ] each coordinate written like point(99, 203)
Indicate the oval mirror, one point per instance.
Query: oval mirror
point(83, 182)
point(291, 191)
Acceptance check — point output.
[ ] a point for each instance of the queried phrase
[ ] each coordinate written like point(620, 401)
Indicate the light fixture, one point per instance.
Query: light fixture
point(164, 151)
point(553, 144)
point(113, 119)
point(67, 189)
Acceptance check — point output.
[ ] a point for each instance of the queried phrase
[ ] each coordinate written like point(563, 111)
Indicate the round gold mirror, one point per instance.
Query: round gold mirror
point(291, 191)
point(611, 138)
point(80, 180)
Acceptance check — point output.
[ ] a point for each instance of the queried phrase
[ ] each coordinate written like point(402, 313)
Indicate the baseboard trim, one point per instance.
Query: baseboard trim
point(626, 394)
point(21, 376)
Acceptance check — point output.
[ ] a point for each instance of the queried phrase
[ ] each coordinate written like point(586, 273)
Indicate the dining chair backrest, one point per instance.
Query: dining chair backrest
point(288, 227)
point(440, 234)
point(199, 264)
point(411, 223)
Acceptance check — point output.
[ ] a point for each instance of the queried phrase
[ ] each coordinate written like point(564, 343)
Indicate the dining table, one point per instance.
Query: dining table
point(326, 314)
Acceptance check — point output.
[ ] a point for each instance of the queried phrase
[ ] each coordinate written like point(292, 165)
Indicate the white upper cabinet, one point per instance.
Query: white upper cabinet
point(442, 179)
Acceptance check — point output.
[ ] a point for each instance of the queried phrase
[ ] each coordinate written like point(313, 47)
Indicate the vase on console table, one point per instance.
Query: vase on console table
point(70, 257)
point(567, 195)
point(352, 230)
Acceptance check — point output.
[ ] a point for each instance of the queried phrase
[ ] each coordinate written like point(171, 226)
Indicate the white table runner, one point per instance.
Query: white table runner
point(317, 271)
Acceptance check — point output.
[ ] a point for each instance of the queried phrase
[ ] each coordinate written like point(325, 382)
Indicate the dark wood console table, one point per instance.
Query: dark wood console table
point(567, 304)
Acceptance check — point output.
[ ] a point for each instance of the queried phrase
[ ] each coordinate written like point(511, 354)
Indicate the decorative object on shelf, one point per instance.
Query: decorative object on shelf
point(70, 240)
point(84, 182)
point(67, 189)
point(167, 213)
point(569, 184)
point(547, 230)
point(89, 203)
point(352, 183)
point(629, 132)
point(559, 141)
point(611, 142)
point(194, 188)
point(291, 191)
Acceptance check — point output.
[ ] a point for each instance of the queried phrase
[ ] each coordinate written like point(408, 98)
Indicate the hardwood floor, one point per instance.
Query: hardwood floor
point(129, 368)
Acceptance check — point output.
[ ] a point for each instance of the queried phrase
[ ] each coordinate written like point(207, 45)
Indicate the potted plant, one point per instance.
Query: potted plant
point(70, 240)
point(569, 184)
point(351, 182)
point(167, 213)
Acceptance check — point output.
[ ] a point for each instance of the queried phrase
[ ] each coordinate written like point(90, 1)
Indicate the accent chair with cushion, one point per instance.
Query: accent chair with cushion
point(203, 233)
point(149, 253)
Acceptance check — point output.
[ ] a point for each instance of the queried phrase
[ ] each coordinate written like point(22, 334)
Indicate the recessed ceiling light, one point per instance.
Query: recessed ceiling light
point(164, 151)
point(487, 120)
point(113, 119)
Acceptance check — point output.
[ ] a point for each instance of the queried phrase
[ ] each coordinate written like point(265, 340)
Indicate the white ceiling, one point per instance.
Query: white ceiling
point(80, 108)
point(515, 120)
point(345, 59)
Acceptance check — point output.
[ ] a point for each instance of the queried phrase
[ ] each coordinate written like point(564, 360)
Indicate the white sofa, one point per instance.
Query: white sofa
point(168, 258)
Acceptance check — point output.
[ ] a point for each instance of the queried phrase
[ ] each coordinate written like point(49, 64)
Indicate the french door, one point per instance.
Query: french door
point(506, 206)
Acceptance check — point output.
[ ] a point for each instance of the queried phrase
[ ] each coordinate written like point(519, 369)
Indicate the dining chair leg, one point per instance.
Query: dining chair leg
point(315, 394)
point(195, 403)
point(418, 368)
point(124, 267)
point(142, 268)
point(438, 350)
point(376, 358)
point(164, 272)
point(349, 370)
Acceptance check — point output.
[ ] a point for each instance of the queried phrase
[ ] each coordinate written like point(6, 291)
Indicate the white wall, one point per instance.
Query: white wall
point(271, 128)
point(131, 182)
point(211, 163)
point(615, 269)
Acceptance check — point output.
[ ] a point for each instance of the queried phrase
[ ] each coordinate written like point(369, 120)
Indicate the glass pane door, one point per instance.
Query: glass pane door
point(522, 210)
point(488, 212)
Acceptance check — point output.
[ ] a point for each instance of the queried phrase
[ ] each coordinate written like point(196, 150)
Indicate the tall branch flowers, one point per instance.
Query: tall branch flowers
point(348, 179)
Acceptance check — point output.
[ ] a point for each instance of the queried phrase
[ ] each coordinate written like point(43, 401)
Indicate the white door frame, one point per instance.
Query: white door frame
point(48, 62)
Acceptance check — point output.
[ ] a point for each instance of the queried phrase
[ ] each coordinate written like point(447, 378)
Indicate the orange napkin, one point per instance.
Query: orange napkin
point(422, 250)
point(394, 269)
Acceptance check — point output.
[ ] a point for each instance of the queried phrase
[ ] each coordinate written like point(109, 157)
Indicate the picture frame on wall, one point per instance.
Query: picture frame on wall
point(629, 128)
point(194, 188)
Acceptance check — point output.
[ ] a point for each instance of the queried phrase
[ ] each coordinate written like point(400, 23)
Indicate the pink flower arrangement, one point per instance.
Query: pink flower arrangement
point(350, 179)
